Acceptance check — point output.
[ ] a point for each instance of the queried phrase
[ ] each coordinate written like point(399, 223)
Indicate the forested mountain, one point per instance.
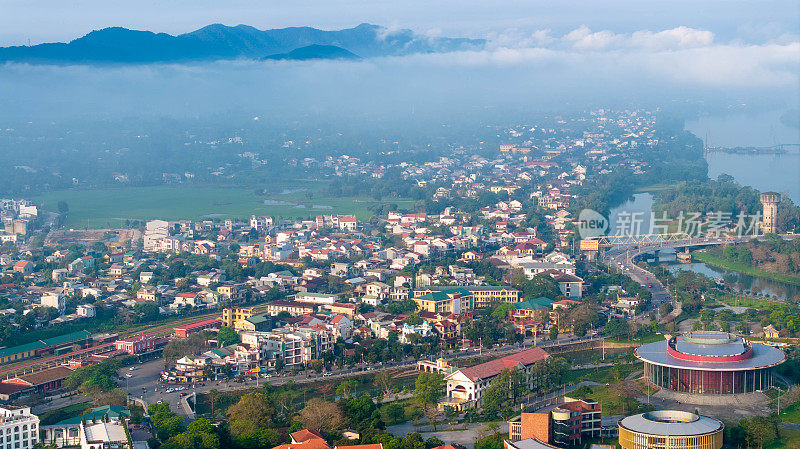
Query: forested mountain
point(220, 42)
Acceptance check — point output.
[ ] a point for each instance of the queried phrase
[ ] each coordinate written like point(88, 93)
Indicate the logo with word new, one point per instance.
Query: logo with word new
point(591, 224)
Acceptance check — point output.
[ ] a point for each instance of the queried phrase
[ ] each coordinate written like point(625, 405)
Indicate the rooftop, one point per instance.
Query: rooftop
point(494, 367)
point(535, 304)
point(528, 443)
point(105, 432)
point(671, 422)
point(762, 356)
point(448, 288)
point(44, 376)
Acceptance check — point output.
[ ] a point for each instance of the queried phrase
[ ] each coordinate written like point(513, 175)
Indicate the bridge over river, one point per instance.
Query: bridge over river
point(619, 251)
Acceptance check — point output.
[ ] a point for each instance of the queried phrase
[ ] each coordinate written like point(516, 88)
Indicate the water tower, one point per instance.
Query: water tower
point(770, 202)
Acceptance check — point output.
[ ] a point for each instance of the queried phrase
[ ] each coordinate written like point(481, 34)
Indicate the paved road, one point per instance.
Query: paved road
point(623, 261)
point(621, 258)
point(144, 381)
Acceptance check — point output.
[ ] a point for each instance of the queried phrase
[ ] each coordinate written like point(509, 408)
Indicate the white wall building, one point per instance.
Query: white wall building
point(19, 429)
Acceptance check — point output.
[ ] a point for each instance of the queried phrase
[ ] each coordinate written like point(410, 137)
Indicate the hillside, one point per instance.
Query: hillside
point(221, 42)
point(314, 52)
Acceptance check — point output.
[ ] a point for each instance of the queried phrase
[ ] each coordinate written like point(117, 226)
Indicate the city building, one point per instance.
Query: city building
point(304, 439)
point(456, 301)
point(187, 329)
point(564, 425)
point(68, 432)
point(317, 298)
point(103, 435)
point(293, 308)
point(44, 382)
point(233, 314)
point(19, 428)
point(710, 363)
point(482, 295)
point(140, 344)
point(234, 292)
point(261, 322)
point(466, 386)
point(670, 429)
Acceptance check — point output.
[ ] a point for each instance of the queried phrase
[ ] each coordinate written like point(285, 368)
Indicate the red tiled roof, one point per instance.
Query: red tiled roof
point(45, 376)
point(448, 446)
point(494, 367)
point(305, 435)
point(196, 323)
point(363, 446)
point(310, 444)
point(344, 304)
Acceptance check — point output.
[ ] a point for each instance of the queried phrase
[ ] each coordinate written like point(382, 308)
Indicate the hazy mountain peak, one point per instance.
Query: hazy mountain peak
point(218, 41)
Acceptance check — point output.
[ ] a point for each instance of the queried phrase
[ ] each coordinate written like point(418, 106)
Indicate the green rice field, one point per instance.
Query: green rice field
point(110, 208)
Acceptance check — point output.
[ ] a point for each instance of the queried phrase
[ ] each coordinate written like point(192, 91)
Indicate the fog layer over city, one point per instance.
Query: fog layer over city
point(684, 68)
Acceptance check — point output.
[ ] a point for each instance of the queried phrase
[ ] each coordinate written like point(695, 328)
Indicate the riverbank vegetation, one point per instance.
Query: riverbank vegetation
point(721, 195)
point(771, 258)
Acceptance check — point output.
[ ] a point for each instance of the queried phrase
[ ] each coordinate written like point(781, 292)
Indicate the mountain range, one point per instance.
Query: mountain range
point(314, 51)
point(221, 42)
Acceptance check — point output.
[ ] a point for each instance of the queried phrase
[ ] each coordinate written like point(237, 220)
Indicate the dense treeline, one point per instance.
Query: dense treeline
point(677, 157)
point(721, 195)
point(772, 254)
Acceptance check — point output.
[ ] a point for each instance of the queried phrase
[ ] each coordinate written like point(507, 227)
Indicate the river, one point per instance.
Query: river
point(643, 203)
point(740, 282)
point(777, 172)
point(638, 208)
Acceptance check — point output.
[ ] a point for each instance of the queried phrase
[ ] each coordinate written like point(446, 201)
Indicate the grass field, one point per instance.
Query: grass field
point(744, 301)
point(619, 398)
point(788, 439)
point(603, 374)
point(108, 208)
point(791, 413)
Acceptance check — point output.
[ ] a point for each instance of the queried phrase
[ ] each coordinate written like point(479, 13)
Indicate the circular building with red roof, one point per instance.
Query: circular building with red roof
point(710, 363)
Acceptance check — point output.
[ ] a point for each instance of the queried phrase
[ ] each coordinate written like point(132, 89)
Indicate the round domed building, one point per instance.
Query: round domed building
point(710, 363)
point(668, 429)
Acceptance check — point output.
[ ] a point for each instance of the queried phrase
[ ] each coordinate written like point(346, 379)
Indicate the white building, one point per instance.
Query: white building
point(54, 299)
point(317, 298)
point(467, 385)
point(103, 435)
point(86, 310)
point(19, 428)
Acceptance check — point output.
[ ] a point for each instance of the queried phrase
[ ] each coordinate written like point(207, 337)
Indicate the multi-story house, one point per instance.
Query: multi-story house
point(466, 386)
point(482, 295)
point(455, 300)
point(19, 428)
point(562, 425)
